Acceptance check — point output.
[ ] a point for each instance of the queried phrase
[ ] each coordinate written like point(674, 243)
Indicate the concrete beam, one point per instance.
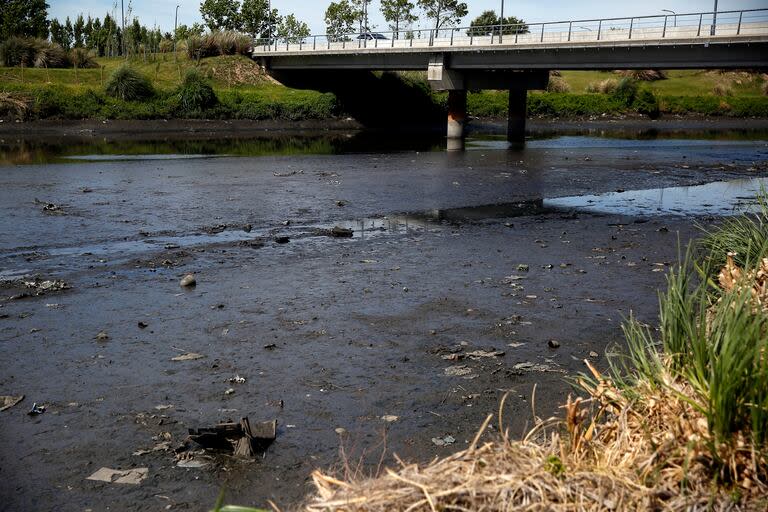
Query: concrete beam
point(440, 77)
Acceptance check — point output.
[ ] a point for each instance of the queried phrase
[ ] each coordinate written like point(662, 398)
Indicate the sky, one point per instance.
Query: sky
point(161, 12)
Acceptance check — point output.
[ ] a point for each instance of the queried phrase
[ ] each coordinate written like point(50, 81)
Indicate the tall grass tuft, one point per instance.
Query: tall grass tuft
point(215, 43)
point(82, 58)
point(606, 86)
point(53, 56)
point(17, 51)
point(128, 84)
point(195, 93)
point(558, 84)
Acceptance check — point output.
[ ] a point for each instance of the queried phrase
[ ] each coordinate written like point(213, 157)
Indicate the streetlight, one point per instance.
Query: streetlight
point(673, 13)
point(501, 23)
point(122, 23)
point(175, 36)
point(714, 20)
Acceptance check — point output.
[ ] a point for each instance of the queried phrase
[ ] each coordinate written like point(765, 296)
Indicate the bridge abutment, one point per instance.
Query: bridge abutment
point(516, 118)
point(457, 113)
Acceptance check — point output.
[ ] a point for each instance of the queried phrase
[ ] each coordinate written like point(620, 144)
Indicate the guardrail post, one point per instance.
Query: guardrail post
point(287, 44)
point(471, 38)
point(542, 33)
point(314, 43)
point(738, 29)
point(631, 24)
point(301, 44)
point(599, 29)
point(699, 31)
point(393, 39)
point(452, 31)
point(492, 34)
point(664, 30)
point(570, 28)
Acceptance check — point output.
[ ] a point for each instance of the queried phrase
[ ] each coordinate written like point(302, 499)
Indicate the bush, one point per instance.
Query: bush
point(557, 84)
point(647, 104)
point(195, 93)
point(722, 89)
point(645, 75)
point(16, 51)
point(54, 56)
point(625, 92)
point(81, 58)
point(606, 86)
point(128, 84)
point(218, 43)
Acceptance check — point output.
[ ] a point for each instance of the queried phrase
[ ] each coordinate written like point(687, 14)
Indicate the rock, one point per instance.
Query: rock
point(389, 418)
point(553, 344)
point(229, 391)
point(341, 431)
point(443, 441)
point(479, 354)
point(188, 281)
point(341, 204)
point(459, 371)
point(339, 232)
point(523, 267)
point(593, 354)
point(143, 325)
point(247, 228)
point(282, 239)
point(102, 336)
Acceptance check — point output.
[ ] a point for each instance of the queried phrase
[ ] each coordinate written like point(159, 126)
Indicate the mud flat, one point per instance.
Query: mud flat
point(467, 275)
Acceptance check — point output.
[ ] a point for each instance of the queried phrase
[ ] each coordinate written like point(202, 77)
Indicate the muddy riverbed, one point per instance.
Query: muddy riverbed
point(462, 269)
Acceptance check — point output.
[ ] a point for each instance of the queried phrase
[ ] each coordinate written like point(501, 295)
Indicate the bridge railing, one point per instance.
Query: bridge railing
point(742, 23)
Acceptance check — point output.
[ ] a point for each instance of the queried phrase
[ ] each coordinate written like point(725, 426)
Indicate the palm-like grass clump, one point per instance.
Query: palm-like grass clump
point(128, 84)
point(195, 93)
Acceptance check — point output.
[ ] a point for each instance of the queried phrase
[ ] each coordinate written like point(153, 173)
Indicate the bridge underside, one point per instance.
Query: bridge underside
point(517, 69)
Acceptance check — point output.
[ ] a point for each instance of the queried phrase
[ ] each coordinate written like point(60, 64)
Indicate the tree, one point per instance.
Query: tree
point(184, 32)
point(57, 33)
point(488, 23)
point(291, 29)
point(444, 12)
point(23, 18)
point(360, 8)
point(253, 16)
point(221, 14)
point(339, 20)
point(68, 34)
point(397, 12)
point(78, 31)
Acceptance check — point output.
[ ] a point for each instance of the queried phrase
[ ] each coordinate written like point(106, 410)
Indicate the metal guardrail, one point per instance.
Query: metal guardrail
point(743, 23)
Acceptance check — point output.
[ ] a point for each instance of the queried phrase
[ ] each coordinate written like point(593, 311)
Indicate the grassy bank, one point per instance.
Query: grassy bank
point(678, 422)
point(245, 92)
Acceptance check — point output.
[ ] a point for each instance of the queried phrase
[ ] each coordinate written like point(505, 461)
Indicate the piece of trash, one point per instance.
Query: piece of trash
point(243, 439)
point(119, 476)
point(339, 232)
point(459, 371)
point(553, 344)
point(516, 344)
point(102, 336)
point(593, 354)
point(341, 431)
point(479, 354)
point(523, 268)
point(143, 325)
point(163, 407)
point(191, 464)
point(443, 441)
point(237, 379)
point(6, 401)
point(341, 204)
point(229, 391)
point(188, 280)
point(536, 367)
point(270, 346)
point(36, 409)
point(390, 418)
point(189, 356)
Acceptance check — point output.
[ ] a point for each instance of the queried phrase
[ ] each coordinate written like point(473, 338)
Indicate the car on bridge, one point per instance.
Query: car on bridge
point(372, 35)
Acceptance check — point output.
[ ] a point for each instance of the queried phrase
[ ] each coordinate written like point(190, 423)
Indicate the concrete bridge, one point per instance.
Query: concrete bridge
point(519, 57)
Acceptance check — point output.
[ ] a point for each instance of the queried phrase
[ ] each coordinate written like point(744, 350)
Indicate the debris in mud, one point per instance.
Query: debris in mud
point(36, 409)
point(117, 476)
point(51, 207)
point(256, 243)
point(528, 366)
point(282, 239)
point(188, 281)
point(553, 344)
point(143, 325)
point(35, 287)
point(237, 379)
point(242, 439)
point(443, 441)
point(6, 401)
point(247, 228)
point(593, 354)
point(213, 230)
point(288, 173)
point(523, 267)
point(339, 232)
point(102, 336)
point(189, 356)
point(341, 204)
point(480, 354)
point(390, 418)
point(463, 371)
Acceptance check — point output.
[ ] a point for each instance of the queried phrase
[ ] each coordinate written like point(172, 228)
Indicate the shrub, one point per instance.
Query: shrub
point(16, 51)
point(625, 92)
point(218, 43)
point(722, 89)
point(606, 86)
point(195, 93)
point(645, 75)
point(558, 84)
point(53, 56)
point(647, 104)
point(128, 84)
point(81, 58)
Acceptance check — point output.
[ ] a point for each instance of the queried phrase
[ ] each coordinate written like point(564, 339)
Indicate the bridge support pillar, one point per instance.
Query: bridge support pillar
point(518, 111)
point(457, 113)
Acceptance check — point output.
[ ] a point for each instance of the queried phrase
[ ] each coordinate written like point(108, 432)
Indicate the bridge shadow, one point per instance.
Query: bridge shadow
point(376, 100)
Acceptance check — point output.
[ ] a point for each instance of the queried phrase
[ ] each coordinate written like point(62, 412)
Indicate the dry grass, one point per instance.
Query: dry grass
point(606, 86)
point(722, 89)
point(644, 75)
point(764, 88)
point(645, 439)
point(558, 84)
point(13, 103)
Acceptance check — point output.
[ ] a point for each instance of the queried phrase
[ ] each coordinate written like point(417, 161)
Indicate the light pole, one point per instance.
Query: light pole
point(269, 21)
point(175, 37)
point(122, 24)
point(714, 20)
point(501, 23)
point(673, 13)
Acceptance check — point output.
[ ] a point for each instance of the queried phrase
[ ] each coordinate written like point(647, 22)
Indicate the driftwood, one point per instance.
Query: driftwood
point(242, 439)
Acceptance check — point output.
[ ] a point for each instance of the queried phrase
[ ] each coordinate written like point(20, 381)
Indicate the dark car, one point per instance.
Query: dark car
point(372, 35)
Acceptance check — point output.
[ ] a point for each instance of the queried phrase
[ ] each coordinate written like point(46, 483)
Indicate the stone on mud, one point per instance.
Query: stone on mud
point(188, 280)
